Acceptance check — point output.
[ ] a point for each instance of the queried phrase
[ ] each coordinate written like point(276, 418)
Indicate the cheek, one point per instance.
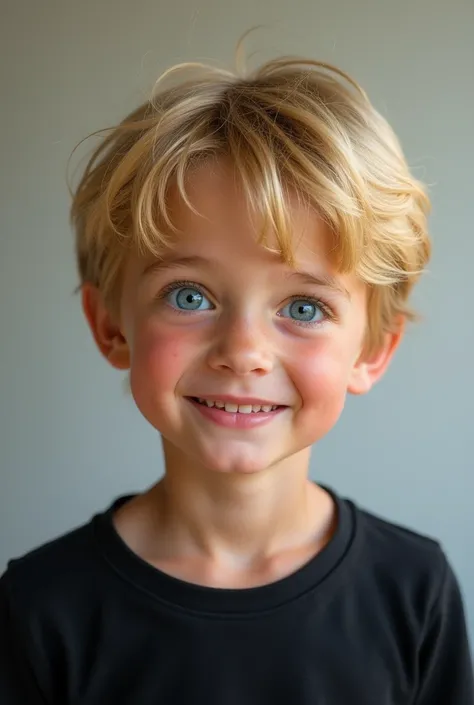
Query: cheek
point(320, 367)
point(320, 374)
point(160, 357)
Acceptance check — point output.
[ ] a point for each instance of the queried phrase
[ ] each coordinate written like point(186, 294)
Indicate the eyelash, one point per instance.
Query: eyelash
point(172, 286)
point(326, 309)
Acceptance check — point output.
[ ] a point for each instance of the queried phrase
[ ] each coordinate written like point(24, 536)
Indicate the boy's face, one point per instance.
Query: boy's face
point(224, 320)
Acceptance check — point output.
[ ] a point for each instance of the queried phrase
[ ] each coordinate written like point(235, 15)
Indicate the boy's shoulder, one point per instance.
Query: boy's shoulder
point(396, 541)
point(382, 530)
point(401, 560)
point(78, 562)
point(63, 568)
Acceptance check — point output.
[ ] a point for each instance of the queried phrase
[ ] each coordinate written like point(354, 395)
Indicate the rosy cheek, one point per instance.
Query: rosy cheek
point(319, 372)
point(161, 356)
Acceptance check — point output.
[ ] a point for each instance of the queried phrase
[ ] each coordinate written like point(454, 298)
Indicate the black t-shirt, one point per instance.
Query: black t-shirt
point(376, 618)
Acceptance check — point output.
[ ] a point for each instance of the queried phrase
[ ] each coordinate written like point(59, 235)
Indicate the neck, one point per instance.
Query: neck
point(242, 517)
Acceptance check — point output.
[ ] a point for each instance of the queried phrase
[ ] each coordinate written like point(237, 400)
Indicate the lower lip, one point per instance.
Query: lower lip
point(230, 419)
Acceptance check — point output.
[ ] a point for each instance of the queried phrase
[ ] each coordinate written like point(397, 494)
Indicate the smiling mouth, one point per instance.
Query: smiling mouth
point(233, 408)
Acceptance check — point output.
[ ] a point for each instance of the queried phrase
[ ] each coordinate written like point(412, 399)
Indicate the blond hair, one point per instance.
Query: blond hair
point(292, 124)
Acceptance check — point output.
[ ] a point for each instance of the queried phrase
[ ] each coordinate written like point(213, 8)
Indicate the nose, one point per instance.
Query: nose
point(241, 346)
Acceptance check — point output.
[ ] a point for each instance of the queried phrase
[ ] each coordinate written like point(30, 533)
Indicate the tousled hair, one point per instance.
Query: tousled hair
point(293, 124)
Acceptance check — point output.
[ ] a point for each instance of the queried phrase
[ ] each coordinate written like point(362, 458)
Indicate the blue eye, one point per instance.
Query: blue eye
point(188, 298)
point(304, 311)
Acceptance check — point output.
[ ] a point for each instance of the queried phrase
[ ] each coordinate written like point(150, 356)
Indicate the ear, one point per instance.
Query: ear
point(369, 369)
point(105, 328)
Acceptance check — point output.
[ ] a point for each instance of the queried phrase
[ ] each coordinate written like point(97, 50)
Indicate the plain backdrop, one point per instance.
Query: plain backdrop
point(71, 440)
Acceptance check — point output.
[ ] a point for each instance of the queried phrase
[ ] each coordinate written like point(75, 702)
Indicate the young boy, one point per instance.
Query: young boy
point(246, 247)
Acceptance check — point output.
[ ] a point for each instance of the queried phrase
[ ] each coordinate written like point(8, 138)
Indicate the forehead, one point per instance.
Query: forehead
point(219, 217)
point(217, 233)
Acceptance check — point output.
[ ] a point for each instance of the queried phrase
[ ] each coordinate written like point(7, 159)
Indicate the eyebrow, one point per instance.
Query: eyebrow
point(326, 281)
point(166, 263)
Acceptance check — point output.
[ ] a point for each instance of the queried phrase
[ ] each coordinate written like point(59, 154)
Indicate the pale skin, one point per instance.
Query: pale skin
point(235, 508)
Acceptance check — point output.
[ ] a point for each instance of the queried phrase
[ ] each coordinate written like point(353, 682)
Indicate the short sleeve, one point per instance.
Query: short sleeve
point(445, 660)
point(17, 682)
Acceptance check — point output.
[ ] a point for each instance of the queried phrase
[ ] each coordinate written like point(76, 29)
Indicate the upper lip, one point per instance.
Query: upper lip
point(240, 401)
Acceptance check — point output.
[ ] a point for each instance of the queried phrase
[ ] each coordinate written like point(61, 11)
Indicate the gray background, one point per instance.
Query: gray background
point(70, 439)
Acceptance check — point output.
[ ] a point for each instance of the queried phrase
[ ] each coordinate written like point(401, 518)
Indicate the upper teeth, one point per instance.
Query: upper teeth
point(238, 408)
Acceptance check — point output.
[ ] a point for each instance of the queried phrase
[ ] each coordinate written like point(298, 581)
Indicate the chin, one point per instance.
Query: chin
point(237, 469)
point(237, 462)
point(236, 466)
